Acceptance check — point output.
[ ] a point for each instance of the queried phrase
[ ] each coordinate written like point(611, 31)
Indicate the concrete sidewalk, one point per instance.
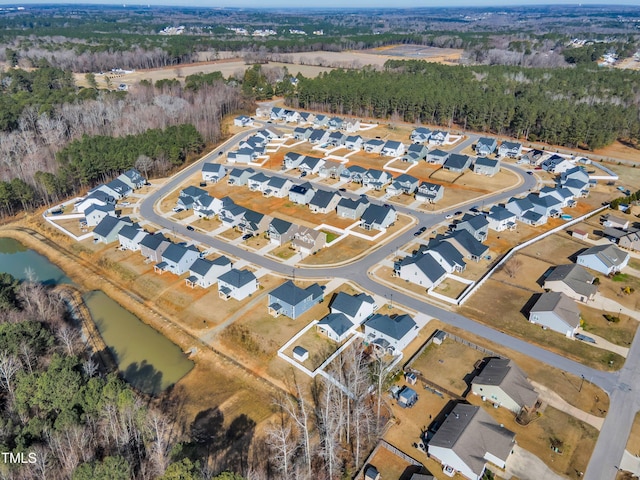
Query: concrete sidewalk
point(526, 466)
point(609, 305)
point(556, 401)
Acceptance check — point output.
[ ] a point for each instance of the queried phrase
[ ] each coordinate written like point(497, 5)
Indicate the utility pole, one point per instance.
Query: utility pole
point(581, 382)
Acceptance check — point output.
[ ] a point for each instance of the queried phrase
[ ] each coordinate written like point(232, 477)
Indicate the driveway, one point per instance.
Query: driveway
point(526, 466)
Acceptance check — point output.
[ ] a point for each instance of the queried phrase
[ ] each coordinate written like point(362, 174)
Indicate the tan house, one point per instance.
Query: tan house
point(631, 240)
point(504, 384)
point(572, 280)
point(307, 240)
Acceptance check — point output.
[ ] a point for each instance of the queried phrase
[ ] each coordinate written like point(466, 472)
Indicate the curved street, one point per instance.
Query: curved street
point(624, 403)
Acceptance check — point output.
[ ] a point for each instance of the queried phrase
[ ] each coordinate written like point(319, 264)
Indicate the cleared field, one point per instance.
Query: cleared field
point(620, 150)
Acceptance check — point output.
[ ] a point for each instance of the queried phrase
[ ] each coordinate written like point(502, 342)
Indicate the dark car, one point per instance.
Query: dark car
point(386, 205)
point(247, 236)
point(342, 189)
point(529, 172)
point(423, 229)
point(417, 234)
point(220, 152)
point(458, 213)
point(190, 228)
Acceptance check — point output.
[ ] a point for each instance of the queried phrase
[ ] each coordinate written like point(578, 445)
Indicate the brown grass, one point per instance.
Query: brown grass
point(633, 444)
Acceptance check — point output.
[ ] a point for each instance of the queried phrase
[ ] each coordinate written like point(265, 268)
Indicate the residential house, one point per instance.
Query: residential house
point(133, 178)
point(519, 206)
point(353, 209)
point(97, 197)
point(277, 113)
point(373, 145)
point(563, 166)
point(231, 214)
point(430, 192)
point(321, 121)
point(237, 284)
point(533, 218)
point(613, 221)
point(353, 174)
point(253, 222)
point(575, 173)
point(403, 184)
point(292, 301)
point(533, 157)
point(130, 237)
point(291, 116)
point(277, 187)
point(377, 217)
point(292, 160)
point(311, 165)
point(486, 146)
point(331, 169)
point(501, 219)
point(96, 212)
point(116, 188)
point(420, 135)
point(437, 156)
point(307, 240)
point(613, 234)
point(301, 194)
point(438, 137)
point(243, 121)
point(240, 176)
point(421, 269)
point(549, 164)
point(577, 187)
point(503, 383)
point(393, 149)
point(415, 153)
point(335, 123)
point(107, 230)
point(306, 117)
point(607, 259)
point(457, 163)
point(258, 182)
point(280, 231)
point(351, 125)
point(572, 280)
point(376, 179)
point(510, 149)
point(177, 259)
point(357, 308)
point(354, 142)
point(630, 240)
point(336, 326)
point(486, 166)
point(563, 195)
point(204, 273)
point(468, 439)
point(446, 255)
point(243, 155)
point(207, 206)
point(476, 225)
point(557, 312)
point(213, 172)
point(391, 335)
point(467, 244)
point(302, 133)
point(324, 201)
point(319, 136)
point(188, 196)
point(153, 246)
point(336, 139)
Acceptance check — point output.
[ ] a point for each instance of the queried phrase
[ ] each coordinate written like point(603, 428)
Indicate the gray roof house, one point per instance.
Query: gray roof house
point(376, 179)
point(377, 217)
point(457, 162)
point(353, 174)
point(476, 225)
point(177, 259)
point(336, 139)
point(519, 206)
point(429, 192)
point(547, 206)
point(438, 137)
point(242, 155)
point(605, 259)
point(310, 164)
point(486, 146)
point(336, 326)
point(335, 123)
point(331, 169)
point(447, 256)
point(563, 195)
point(237, 284)
point(391, 335)
point(486, 166)
point(469, 438)
point(204, 273)
point(133, 178)
point(393, 149)
point(351, 125)
point(576, 173)
point(403, 184)
point(130, 237)
point(557, 312)
point(277, 187)
point(420, 135)
point(96, 197)
point(292, 159)
point(240, 176)
point(501, 219)
point(301, 194)
point(108, 228)
point(615, 222)
point(243, 121)
point(354, 142)
point(373, 145)
point(421, 269)
point(353, 209)
point(319, 136)
point(213, 172)
point(153, 246)
point(115, 188)
point(510, 149)
point(533, 157)
point(467, 244)
point(324, 201)
point(307, 240)
point(630, 240)
point(253, 222)
point(292, 301)
point(357, 308)
point(302, 133)
point(437, 156)
point(188, 196)
point(321, 120)
point(97, 211)
point(572, 280)
point(280, 231)
point(231, 214)
point(415, 152)
point(503, 383)
point(258, 182)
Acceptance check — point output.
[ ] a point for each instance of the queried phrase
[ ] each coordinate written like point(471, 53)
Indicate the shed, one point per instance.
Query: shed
point(300, 354)
point(581, 234)
point(407, 397)
point(439, 337)
point(411, 378)
point(371, 473)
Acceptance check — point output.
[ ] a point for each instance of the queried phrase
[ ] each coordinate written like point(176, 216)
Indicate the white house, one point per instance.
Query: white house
point(204, 273)
point(130, 237)
point(96, 212)
point(500, 219)
point(391, 335)
point(177, 259)
point(605, 259)
point(243, 121)
point(357, 308)
point(213, 172)
point(557, 312)
point(237, 284)
point(421, 269)
point(393, 149)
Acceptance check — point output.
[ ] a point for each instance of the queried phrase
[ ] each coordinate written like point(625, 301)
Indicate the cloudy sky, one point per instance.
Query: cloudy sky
point(331, 3)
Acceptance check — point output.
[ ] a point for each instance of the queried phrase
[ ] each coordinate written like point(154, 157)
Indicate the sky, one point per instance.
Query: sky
point(329, 3)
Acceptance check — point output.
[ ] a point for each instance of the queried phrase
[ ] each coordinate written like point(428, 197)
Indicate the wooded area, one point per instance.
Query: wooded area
point(579, 107)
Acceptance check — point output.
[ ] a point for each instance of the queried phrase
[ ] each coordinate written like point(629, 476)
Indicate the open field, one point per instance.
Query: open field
point(633, 444)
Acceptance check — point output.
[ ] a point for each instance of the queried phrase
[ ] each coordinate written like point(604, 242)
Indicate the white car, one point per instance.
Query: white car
point(125, 204)
point(449, 217)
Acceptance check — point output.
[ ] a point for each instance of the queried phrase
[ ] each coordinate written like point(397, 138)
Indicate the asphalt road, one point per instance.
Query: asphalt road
point(620, 385)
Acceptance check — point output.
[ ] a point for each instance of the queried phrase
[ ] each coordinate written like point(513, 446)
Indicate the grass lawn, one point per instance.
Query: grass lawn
point(344, 250)
point(633, 444)
point(331, 236)
point(257, 242)
point(319, 347)
point(207, 224)
point(451, 288)
point(284, 251)
point(230, 234)
point(495, 296)
point(614, 288)
point(620, 333)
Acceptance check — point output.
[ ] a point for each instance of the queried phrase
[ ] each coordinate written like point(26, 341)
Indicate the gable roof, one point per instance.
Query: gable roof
point(405, 178)
point(500, 213)
point(322, 198)
point(476, 222)
point(457, 160)
point(130, 231)
point(153, 240)
point(280, 226)
point(487, 162)
point(350, 304)
point(575, 277)
point(469, 243)
point(108, 224)
point(395, 328)
point(237, 278)
point(291, 294)
point(376, 214)
point(505, 374)
point(337, 322)
point(175, 252)
point(352, 204)
point(107, 208)
point(610, 255)
point(212, 167)
point(560, 304)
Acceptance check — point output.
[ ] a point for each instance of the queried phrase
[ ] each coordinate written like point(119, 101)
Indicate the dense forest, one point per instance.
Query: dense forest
point(579, 107)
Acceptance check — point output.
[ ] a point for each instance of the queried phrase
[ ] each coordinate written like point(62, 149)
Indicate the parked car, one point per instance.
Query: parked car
point(178, 209)
point(125, 204)
point(247, 236)
point(342, 189)
point(529, 172)
point(448, 217)
point(190, 228)
point(458, 213)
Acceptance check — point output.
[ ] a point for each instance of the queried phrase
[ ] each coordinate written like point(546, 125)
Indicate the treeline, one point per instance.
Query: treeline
point(626, 200)
point(577, 107)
